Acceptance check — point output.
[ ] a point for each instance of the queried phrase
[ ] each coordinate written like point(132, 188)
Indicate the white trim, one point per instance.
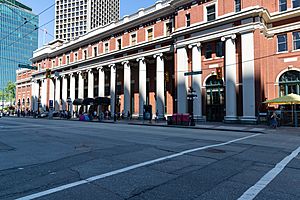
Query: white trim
point(283, 71)
point(215, 3)
point(147, 29)
point(130, 38)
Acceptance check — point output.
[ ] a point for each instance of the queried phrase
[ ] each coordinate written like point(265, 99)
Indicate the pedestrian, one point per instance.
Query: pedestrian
point(274, 122)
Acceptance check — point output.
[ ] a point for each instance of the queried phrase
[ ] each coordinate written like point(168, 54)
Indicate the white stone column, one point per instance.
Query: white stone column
point(101, 86)
point(80, 85)
point(142, 85)
point(64, 92)
point(90, 84)
point(197, 80)
point(182, 81)
point(127, 87)
point(113, 77)
point(160, 85)
point(72, 91)
point(35, 95)
point(57, 94)
point(248, 75)
point(44, 93)
point(230, 78)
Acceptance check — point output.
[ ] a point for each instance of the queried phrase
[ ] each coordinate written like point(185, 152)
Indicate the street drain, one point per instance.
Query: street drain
point(212, 150)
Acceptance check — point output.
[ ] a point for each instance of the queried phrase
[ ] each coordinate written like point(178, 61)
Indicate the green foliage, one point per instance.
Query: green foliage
point(9, 93)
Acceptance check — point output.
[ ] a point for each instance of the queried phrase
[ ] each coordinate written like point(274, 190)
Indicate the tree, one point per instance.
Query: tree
point(10, 92)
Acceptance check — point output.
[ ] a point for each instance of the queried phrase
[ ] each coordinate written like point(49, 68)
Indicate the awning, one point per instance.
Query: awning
point(288, 99)
point(88, 101)
point(77, 102)
point(102, 101)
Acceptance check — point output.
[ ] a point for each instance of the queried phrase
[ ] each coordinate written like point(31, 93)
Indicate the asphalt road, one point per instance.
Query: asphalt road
point(75, 160)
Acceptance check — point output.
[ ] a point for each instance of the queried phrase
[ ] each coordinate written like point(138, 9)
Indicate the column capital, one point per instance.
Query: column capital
point(126, 62)
point(141, 59)
point(101, 68)
point(112, 66)
point(158, 55)
point(232, 36)
point(198, 45)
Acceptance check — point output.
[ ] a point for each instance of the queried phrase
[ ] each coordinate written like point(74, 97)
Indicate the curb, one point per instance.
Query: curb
point(202, 128)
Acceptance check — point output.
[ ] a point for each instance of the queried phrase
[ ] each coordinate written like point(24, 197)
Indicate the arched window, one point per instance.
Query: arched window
point(289, 82)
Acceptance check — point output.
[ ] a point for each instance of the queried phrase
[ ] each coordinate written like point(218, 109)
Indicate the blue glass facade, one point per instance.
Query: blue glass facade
point(18, 38)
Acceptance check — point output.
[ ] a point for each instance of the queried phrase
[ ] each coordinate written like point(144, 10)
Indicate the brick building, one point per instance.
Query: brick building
point(141, 59)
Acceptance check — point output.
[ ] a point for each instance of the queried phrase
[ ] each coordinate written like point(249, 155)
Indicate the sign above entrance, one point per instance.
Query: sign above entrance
point(192, 73)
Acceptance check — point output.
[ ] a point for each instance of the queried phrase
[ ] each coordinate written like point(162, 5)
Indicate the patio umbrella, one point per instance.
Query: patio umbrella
point(290, 99)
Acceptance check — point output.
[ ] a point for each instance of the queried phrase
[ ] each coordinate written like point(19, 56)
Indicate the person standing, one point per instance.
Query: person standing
point(274, 119)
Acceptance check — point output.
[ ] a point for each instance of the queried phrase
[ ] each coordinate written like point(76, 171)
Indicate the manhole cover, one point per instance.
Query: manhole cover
point(211, 150)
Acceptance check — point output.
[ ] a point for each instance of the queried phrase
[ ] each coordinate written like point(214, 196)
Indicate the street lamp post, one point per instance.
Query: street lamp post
point(191, 96)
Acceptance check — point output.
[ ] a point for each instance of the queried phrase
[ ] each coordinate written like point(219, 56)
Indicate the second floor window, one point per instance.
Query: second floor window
point(68, 60)
point(296, 40)
point(188, 20)
point(220, 49)
point(238, 6)
point(95, 51)
point(76, 57)
point(60, 61)
point(53, 63)
point(211, 12)
point(150, 34)
point(85, 54)
point(119, 43)
point(106, 48)
point(208, 51)
point(296, 3)
point(169, 28)
point(282, 5)
point(133, 39)
point(282, 43)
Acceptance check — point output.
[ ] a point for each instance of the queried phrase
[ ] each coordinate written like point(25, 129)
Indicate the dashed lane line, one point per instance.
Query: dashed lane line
point(129, 168)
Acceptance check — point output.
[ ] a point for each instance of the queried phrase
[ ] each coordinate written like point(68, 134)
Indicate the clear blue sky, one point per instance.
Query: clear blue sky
point(127, 7)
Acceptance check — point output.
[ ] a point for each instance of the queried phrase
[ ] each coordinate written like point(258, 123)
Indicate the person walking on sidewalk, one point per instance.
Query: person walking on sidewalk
point(274, 122)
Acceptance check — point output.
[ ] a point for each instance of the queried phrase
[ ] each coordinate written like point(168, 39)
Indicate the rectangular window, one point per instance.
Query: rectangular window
point(211, 12)
point(220, 49)
point(150, 34)
point(119, 43)
point(188, 20)
point(238, 6)
point(296, 3)
point(282, 5)
point(85, 54)
point(169, 28)
point(133, 39)
point(76, 57)
point(60, 61)
point(53, 63)
point(95, 51)
point(106, 47)
point(68, 60)
point(282, 43)
point(208, 51)
point(296, 40)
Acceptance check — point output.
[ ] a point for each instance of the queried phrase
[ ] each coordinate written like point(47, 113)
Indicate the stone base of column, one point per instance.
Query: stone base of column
point(231, 119)
point(248, 120)
point(199, 118)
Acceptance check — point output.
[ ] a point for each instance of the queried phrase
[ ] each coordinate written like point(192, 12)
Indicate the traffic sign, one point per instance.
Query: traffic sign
point(192, 73)
point(50, 103)
point(27, 67)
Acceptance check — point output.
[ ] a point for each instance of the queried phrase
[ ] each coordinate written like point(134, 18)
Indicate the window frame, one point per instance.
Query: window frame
point(280, 5)
point(210, 50)
point(95, 53)
point(296, 41)
point(278, 43)
point(217, 49)
point(119, 45)
point(131, 43)
point(206, 11)
point(293, 4)
point(104, 47)
point(166, 27)
point(239, 6)
point(188, 20)
point(147, 33)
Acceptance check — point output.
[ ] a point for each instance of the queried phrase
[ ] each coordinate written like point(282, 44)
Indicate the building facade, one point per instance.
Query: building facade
point(247, 52)
point(74, 18)
point(18, 40)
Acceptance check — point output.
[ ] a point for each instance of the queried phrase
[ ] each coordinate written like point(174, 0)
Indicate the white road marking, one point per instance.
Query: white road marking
point(94, 178)
point(252, 192)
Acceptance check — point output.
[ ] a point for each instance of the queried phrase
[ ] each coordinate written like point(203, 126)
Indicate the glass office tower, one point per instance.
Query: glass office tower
point(18, 38)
